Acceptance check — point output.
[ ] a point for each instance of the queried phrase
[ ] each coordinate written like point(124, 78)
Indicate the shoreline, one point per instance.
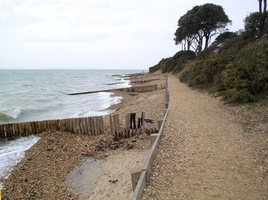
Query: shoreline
point(61, 151)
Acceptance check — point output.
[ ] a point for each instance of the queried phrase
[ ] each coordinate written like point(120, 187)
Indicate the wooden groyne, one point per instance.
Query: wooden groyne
point(86, 125)
point(144, 88)
point(120, 127)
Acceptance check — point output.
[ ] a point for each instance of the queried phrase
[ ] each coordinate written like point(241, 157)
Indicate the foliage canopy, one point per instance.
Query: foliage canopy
point(199, 24)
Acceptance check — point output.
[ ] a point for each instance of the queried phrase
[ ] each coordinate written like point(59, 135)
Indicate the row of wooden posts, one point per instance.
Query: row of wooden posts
point(133, 125)
point(87, 125)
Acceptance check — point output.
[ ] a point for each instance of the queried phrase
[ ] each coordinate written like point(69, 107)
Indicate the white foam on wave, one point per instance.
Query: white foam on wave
point(12, 113)
point(11, 153)
point(97, 105)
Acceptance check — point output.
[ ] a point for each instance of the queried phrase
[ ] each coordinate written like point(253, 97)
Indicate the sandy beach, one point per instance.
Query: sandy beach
point(43, 172)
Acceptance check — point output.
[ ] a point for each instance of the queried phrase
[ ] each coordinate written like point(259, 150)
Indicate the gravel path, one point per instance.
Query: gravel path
point(204, 153)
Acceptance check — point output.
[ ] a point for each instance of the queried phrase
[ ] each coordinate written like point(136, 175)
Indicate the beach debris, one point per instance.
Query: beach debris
point(149, 121)
point(113, 181)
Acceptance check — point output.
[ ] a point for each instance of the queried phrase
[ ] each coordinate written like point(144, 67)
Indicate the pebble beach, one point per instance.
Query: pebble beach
point(208, 150)
point(43, 171)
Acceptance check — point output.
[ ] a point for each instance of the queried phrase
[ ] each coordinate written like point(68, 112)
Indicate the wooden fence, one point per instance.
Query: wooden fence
point(126, 127)
point(86, 125)
point(130, 126)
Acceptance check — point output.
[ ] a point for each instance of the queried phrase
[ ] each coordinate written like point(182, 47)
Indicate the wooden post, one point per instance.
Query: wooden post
point(34, 127)
point(93, 126)
point(40, 128)
point(20, 129)
point(8, 130)
point(75, 125)
point(67, 125)
point(111, 124)
point(45, 125)
point(71, 125)
point(27, 128)
point(24, 130)
point(127, 125)
point(97, 125)
point(102, 125)
point(89, 126)
point(115, 126)
point(84, 125)
point(79, 126)
point(2, 135)
point(15, 129)
point(57, 124)
point(61, 125)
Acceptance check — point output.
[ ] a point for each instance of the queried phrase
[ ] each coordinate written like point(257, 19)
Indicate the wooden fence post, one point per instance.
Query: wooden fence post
point(111, 124)
point(127, 125)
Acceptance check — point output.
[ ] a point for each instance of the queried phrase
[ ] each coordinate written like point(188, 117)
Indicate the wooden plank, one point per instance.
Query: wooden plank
point(139, 187)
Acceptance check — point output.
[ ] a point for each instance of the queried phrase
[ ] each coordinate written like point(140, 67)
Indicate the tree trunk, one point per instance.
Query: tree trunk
point(264, 6)
point(207, 40)
point(260, 6)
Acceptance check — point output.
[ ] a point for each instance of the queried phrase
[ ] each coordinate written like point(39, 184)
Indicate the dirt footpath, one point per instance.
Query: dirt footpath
point(205, 153)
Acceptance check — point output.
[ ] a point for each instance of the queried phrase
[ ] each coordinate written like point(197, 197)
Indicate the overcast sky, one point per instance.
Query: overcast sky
point(97, 34)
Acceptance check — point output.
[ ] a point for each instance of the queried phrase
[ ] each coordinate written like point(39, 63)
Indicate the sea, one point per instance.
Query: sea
point(36, 95)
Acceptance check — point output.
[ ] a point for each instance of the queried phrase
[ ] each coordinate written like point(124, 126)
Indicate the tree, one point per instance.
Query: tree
point(254, 25)
point(199, 25)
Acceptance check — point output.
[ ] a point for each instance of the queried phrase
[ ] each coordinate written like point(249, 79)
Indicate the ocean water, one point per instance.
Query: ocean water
point(34, 95)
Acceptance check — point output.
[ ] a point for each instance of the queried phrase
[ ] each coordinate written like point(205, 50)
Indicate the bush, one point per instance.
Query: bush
point(241, 74)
